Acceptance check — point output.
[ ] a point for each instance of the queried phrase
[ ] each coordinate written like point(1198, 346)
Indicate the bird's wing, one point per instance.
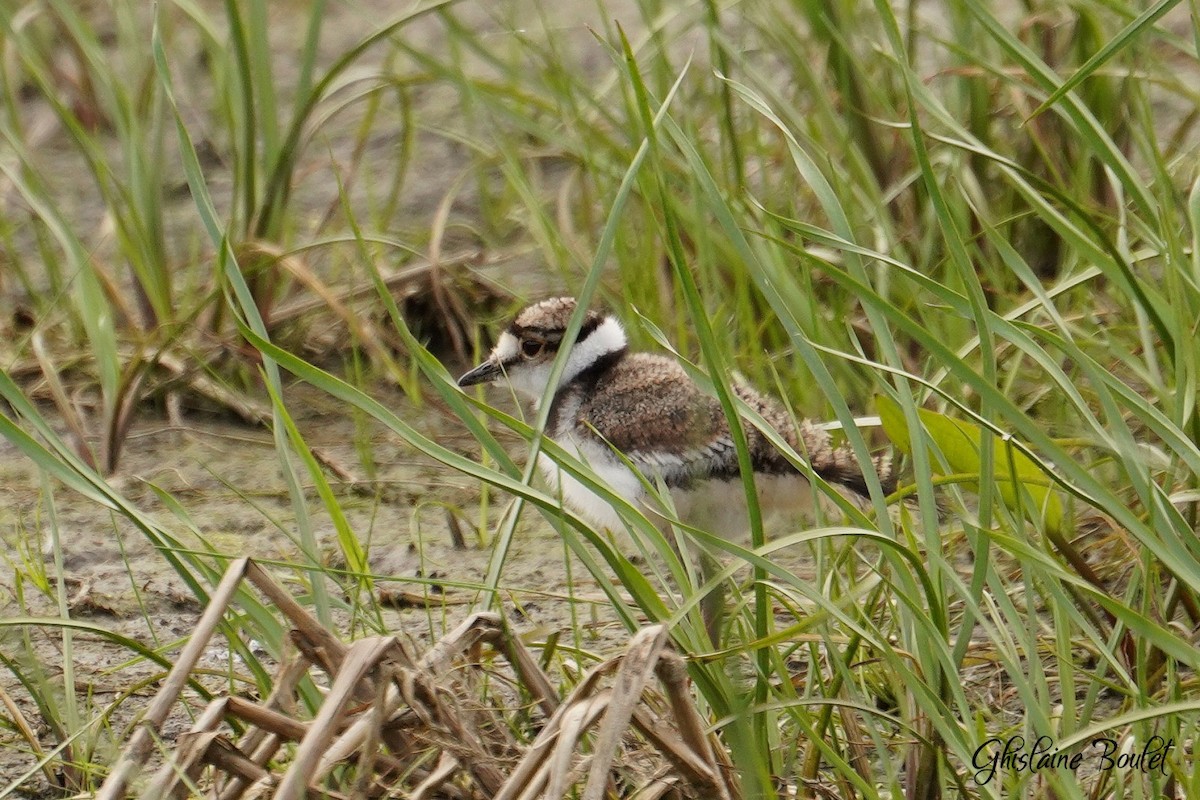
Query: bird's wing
point(653, 414)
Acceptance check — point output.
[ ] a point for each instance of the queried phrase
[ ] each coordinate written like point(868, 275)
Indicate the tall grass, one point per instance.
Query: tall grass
point(981, 226)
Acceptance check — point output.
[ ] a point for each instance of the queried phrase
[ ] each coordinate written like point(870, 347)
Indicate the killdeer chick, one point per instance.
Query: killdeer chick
point(646, 407)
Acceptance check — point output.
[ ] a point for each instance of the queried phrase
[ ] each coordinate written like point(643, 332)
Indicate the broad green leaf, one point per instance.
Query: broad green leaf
point(961, 444)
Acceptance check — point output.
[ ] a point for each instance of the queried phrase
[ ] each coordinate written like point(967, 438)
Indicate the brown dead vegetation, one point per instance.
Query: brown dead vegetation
point(390, 725)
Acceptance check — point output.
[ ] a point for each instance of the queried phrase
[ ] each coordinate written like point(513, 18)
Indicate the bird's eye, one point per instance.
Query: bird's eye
point(531, 347)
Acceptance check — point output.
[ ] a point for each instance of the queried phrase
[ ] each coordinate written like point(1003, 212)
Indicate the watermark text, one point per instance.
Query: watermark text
point(1018, 754)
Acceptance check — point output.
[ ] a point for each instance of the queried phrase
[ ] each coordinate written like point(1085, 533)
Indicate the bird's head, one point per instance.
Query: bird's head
point(525, 352)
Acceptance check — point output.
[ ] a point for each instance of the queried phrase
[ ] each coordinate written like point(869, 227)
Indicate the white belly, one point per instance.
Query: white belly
point(720, 506)
point(715, 506)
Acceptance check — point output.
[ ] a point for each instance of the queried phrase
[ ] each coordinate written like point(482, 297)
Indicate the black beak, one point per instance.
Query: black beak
point(486, 372)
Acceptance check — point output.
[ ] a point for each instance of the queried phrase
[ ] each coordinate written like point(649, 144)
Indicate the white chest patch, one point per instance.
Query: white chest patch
point(580, 498)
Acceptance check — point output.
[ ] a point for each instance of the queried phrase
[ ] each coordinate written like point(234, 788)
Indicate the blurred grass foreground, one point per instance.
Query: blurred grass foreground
point(239, 241)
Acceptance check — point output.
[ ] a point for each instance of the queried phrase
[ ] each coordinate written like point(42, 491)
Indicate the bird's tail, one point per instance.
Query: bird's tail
point(840, 466)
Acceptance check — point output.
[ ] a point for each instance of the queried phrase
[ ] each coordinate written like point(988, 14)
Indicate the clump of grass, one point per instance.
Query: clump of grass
point(126, 313)
point(990, 224)
point(451, 721)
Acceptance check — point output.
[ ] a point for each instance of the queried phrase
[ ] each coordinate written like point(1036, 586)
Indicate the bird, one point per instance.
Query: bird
point(621, 411)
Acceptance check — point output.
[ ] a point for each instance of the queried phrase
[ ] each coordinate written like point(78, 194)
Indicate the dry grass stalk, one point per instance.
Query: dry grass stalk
point(174, 778)
point(223, 755)
point(77, 430)
point(133, 758)
point(362, 659)
point(387, 715)
point(26, 730)
point(637, 667)
point(269, 728)
point(546, 761)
